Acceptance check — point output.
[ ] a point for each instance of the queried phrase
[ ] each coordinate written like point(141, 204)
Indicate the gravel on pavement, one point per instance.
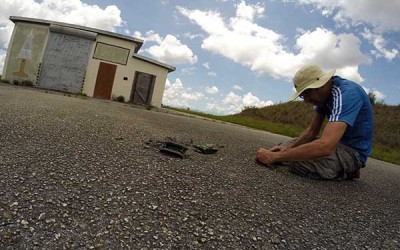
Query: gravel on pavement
point(77, 173)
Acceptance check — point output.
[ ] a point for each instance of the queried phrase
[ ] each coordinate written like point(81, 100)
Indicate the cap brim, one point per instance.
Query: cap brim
point(314, 85)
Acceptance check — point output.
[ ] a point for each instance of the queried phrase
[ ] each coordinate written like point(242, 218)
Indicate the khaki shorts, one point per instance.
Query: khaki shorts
point(343, 163)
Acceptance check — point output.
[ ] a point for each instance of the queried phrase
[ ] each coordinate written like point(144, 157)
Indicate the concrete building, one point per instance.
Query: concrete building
point(78, 59)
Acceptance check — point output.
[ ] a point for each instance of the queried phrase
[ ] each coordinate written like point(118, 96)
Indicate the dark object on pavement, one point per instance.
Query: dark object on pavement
point(174, 148)
point(170, 146)
point(206, 149)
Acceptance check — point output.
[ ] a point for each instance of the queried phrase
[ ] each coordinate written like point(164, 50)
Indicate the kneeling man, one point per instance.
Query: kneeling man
point(346, 140)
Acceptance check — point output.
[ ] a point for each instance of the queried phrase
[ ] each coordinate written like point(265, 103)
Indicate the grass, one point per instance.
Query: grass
point(386, 154)
point(292, 118)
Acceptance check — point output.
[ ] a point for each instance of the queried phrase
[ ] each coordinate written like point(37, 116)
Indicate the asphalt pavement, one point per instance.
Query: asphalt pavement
point(83, 173)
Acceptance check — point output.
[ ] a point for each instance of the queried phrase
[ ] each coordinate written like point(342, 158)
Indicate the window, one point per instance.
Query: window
point(111, 53)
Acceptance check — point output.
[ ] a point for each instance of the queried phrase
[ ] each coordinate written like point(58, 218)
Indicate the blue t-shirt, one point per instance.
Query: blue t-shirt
point(349, 103)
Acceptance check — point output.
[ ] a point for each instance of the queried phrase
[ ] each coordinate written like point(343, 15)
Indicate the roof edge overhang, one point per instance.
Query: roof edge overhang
point(137, 41)
point(149, 60)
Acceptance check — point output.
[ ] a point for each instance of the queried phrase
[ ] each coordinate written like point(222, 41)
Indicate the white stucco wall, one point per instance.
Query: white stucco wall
point(120, 86)
point(161, 77)
point(123, 87)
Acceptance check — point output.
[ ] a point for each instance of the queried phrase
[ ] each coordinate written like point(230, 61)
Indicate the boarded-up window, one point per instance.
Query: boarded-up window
point(111, 53)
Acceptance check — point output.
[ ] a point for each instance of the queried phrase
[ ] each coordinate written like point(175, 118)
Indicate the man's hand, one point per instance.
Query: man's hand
point(278, 148)
point(321, 147)
point(265, 156)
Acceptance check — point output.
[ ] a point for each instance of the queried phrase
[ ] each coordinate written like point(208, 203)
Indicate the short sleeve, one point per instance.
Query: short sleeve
point(345, 105)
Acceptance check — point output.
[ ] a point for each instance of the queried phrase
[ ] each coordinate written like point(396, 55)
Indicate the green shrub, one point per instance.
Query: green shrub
point(372, 98)
point(16, 82)
point(81, 94)
point(27, 83)
point(120, 98)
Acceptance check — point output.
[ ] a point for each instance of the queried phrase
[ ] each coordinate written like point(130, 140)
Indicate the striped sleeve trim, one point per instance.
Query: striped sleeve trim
point(337, 104)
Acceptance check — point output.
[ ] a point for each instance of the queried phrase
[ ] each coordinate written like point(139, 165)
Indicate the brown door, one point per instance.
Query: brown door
point(143, 88)
point(104, 80)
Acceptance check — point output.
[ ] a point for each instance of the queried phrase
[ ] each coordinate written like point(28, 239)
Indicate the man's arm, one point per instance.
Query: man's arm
point(308, 135)
point(323, 146)
point(311, 132)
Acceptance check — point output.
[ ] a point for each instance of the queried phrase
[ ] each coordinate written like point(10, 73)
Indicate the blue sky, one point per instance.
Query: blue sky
point(230, 54)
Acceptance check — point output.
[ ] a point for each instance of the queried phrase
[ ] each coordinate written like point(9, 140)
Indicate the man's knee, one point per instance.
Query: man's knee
point(318, 169)
point(303, 170)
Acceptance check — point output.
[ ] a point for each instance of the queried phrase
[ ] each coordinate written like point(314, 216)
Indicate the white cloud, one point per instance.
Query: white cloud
point(341, 52)
point(232, 99)
point(379, 43)
point(172, 51)
point(380, 96)
point(210, 21)
point(249, 100)
point(249, 12)
point(325, 48)
point(188, 71)
point(178, 96)
point(233, 103)
point(237, 87)
point(2, 60)
point(191, 36)
point(210, 73)
point(164, 2)
point(5, 34)
point(383, 17)
point(215, 108)
point(195, 96)
point(150, 36)
point(265, 52)
point(69, 11)
point(350, 73)
point(212, 90)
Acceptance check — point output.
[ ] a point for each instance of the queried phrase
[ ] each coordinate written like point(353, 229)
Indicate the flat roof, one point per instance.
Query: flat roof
point(138, 42)
point(149, 60)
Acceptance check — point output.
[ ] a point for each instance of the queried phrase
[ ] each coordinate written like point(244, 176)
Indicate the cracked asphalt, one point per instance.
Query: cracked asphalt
point(77, 173)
